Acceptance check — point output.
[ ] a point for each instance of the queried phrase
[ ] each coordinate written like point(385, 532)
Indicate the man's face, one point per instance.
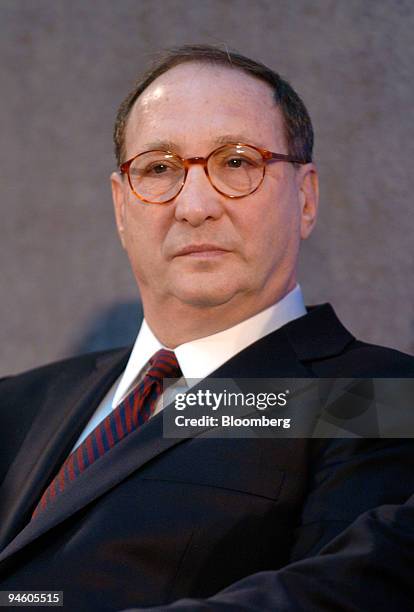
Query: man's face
point(203, 249)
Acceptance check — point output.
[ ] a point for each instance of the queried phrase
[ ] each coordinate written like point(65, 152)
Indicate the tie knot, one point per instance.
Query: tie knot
point(164, 364)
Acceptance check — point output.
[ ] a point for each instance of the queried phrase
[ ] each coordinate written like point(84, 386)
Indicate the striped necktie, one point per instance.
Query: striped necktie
point(130, 414)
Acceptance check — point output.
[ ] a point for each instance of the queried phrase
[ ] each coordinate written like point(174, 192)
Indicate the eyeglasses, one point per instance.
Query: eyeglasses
point(234, 170)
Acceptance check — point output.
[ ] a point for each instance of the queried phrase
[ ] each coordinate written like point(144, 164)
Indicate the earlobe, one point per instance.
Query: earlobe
point(309, 199)
point(119, 205)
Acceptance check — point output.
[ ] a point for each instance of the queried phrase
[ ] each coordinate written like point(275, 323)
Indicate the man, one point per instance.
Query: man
point(215, 192)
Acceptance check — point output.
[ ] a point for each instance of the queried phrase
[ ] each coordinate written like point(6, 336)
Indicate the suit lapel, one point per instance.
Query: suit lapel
point(275, 355)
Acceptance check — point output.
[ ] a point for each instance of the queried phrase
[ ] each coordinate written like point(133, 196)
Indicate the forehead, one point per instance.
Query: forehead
point(194, 105)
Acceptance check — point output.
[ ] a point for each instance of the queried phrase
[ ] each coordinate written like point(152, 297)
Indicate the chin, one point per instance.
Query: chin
point(205, 297)
point(205, 301)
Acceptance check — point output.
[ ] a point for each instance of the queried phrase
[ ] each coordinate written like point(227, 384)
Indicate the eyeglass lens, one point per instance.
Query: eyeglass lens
point(234, 170)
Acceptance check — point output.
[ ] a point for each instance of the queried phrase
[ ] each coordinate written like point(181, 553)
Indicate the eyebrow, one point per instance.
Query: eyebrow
point(160, 145)
point(233, 138)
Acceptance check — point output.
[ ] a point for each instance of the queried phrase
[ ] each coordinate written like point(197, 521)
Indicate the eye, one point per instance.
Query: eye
point(159, 168)
point(235, 162)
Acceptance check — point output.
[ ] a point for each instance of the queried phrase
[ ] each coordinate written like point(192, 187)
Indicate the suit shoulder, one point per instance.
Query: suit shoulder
point(383, 357)
point(70, 366)
point(361, 359)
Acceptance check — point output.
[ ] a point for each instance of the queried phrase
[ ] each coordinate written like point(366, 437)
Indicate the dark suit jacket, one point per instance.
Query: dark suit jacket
point(287, 522)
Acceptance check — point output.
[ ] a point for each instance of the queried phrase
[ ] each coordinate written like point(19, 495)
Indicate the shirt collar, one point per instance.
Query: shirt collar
point(201, 357)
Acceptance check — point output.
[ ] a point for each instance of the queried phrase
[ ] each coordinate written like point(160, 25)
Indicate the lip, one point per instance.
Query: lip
point(202, 250)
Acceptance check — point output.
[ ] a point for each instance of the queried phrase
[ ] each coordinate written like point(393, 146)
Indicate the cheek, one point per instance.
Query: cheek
point(138, 225)
point(145, 234)
point(267, 226)
point(138, 239)
point(274, 232)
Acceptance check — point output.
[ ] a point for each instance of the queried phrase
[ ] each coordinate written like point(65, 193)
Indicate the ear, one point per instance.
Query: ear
point(308, 184)
point(119, 200)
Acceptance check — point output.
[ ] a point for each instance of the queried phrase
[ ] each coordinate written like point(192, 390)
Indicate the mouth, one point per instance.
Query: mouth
point(202, 250)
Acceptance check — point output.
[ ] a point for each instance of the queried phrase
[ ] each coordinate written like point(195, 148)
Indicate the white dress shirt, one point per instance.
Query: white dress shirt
point(198, 358)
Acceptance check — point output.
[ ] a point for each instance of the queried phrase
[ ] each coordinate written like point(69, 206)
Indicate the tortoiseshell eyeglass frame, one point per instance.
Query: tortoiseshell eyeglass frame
point(267, 156)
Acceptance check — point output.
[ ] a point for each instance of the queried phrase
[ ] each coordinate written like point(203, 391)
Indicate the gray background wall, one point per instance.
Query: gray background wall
point(65, 66)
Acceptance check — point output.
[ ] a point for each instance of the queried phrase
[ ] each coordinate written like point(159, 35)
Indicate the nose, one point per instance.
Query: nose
point(198, 201)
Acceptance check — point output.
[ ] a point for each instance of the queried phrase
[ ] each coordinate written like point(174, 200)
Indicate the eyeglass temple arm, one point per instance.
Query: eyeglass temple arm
point(269, 156)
